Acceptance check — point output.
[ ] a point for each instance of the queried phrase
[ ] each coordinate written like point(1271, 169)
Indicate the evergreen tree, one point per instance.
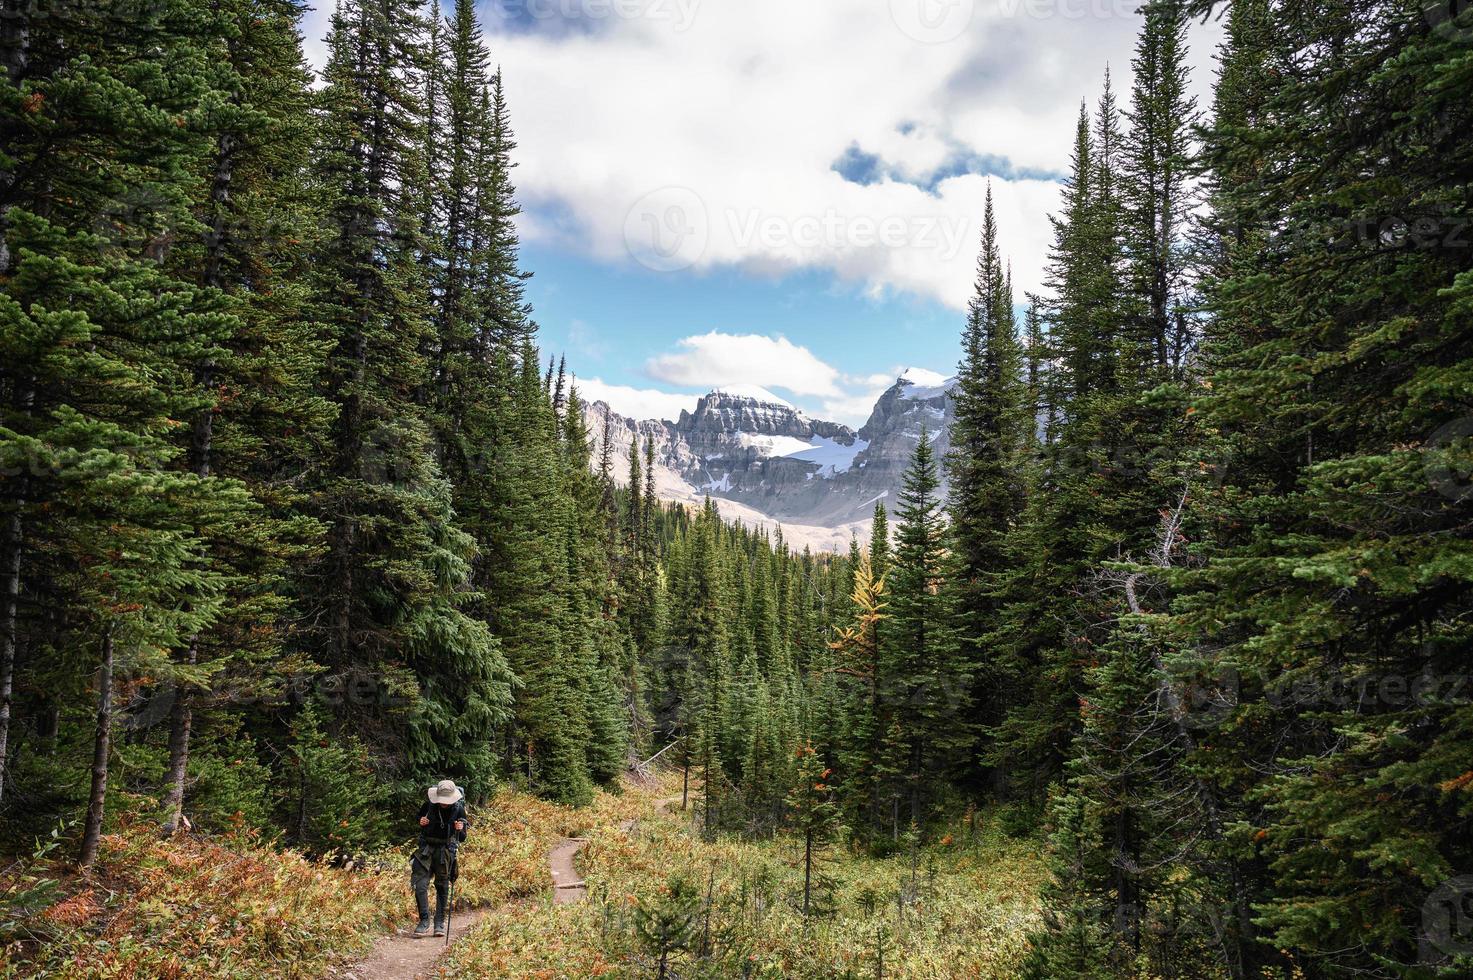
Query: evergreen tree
point(923, 678)
point(392, 591)
point(813, 816)
point(1337, 541)
point(1155, 163)
point(988, 434)
point(259, 406)
point(879, 542)
point(102, 341)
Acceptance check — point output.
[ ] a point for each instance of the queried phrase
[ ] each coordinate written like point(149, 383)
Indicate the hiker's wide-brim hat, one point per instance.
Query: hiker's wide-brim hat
point(445, 791)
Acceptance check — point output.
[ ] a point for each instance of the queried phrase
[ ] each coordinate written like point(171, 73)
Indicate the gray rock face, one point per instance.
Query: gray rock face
point(775, 460)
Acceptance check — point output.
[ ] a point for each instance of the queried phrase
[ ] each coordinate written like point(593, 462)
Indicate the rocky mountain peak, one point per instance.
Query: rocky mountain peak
point(764, 460)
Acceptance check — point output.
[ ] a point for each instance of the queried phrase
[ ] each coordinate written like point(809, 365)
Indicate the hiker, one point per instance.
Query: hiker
point(442, 824)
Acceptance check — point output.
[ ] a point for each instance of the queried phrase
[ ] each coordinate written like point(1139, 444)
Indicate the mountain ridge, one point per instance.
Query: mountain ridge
point(766, 463)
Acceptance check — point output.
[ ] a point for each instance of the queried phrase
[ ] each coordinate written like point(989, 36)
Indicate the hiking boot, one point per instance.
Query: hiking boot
point(439, 927)
point(423, 929)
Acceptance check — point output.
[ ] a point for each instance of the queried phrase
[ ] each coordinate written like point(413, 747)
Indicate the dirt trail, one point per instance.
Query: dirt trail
point(400, 956)
point(568, 886)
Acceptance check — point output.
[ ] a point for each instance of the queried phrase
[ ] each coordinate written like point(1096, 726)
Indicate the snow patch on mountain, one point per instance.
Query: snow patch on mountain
point(924, 377)
point(831, 455)
point(769, 446)
point(932, 385)
point(755, 392)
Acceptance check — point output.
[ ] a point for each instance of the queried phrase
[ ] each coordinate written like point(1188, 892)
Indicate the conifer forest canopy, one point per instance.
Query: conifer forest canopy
point(1174, 602)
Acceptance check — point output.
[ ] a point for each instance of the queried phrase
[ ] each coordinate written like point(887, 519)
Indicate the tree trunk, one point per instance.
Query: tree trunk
point(181, 722)
point(1127, 891)
point(15, 49)
point(807, 869)
point(1238, 947)
point(8, 639)
point(92, 830)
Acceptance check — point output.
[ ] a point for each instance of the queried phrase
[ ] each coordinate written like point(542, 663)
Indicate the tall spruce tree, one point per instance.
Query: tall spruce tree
point(390, 595)
point(1337, 558)
point(924, 679)
point(988, 435)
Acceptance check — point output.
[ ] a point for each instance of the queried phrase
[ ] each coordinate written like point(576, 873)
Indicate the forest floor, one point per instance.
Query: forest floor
point(403, 956)
point(961, 908)
point(235, 907)
point(635, 865)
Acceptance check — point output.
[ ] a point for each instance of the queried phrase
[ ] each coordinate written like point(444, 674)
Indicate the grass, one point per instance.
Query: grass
point(226, 909)
point(233, 908)
point(964, 910)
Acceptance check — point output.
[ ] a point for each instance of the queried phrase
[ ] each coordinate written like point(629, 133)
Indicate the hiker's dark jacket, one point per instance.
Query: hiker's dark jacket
point(441, 828)
point(439, 842)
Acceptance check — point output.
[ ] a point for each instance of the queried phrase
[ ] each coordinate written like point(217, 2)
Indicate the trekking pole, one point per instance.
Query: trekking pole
point(449, 910)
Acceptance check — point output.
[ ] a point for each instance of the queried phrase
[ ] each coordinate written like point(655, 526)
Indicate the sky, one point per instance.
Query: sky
point(785, 193)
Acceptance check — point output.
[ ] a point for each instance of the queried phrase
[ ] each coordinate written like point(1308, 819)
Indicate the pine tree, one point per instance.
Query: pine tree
point(988, 434)
point(102, 340)
point(813, 816)
point(392, 592)
point(857, 648)
point(923, 680)
point(1338, 543)
point(257, 384)
point(528, 578)
point(1156, 159)
point(879, 542)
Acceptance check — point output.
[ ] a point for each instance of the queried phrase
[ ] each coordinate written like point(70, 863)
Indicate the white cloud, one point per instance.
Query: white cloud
point(743, 106)
point(636, 403)
point(751, 364)
point(716, 360)
point(748, 107)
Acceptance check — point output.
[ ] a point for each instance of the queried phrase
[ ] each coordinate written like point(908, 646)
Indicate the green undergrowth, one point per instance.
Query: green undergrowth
point(234, 907)
point(960, 907)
